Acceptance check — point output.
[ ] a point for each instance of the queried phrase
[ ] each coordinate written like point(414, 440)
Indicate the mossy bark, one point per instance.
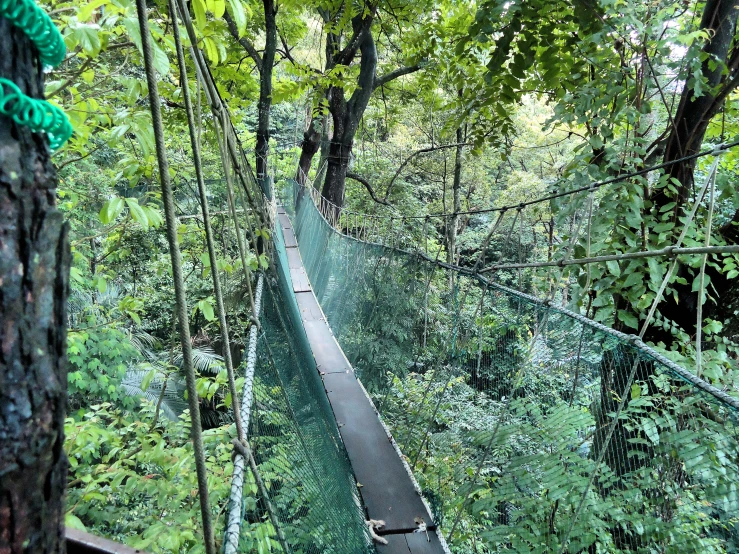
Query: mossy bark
point(34, 270)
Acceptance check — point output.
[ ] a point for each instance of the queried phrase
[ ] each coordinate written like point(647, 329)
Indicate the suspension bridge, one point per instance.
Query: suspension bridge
point(397, 403)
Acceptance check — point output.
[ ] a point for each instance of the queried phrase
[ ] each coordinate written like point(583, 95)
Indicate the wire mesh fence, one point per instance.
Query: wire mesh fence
point(296, 443)
point(529, 429)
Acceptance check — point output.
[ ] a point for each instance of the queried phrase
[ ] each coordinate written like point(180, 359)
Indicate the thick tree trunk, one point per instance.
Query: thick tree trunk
point(265, 87)
point(694, 113)
point(309, 148)
point(336, 168)
point(686, 137)
point(346, 117)
point(34, 270)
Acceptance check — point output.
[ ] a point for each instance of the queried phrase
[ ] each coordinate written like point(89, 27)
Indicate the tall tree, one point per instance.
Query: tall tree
point(265, 65)
point(349, 37)
point(34, 271)
point(700, 101)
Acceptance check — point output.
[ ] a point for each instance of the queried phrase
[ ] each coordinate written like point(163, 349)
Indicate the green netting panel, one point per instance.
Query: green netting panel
point(505, 408)
point(296, 442)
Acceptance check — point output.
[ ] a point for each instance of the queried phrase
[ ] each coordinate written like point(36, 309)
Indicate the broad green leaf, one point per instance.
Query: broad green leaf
point(206, 308)
point(211, 49)
point(633, 279)
point(198, 8)
point(137, 214)
point(73, 522)
point(238, 15)
point(111, 209)
point(628, 318)
point(613, 268)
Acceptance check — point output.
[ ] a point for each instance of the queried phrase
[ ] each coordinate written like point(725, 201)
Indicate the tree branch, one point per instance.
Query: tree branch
point(416, 153)
point(243, 41)
point(383, 80)
point(368, 186)
point(361, 27)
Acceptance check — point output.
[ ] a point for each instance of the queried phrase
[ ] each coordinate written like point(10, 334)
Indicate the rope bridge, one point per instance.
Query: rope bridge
point(504, 406)
point(469, 416)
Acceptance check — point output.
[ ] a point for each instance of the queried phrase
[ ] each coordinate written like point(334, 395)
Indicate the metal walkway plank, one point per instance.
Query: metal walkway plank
point(289, 235)
point(309, 310)
point(411, 543)
point(299, 279)
point(386, 488)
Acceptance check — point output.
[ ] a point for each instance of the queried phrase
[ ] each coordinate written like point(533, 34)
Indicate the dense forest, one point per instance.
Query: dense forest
point(411, 123)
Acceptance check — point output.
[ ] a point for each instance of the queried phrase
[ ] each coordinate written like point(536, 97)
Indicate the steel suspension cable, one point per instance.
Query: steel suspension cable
point(179, 282)
point(702, 283)
point(223, 146)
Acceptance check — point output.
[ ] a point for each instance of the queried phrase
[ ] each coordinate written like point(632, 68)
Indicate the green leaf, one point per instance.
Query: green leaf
point(650, 429)
point(206, 308)
point(238, 15)
point(100, 283)
point(85, 11)
point(198, 8)
point(137, 213)
point(635, 391)
point(219, 8)
point(146, 381)
point(632, 280)
point(628, 318)
point(73, 522)
point(211, 49)
point(613, 268)
point(111, 209)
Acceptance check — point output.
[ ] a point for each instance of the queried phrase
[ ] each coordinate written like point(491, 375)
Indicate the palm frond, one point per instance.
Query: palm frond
point(204, 359)
point(173, 402)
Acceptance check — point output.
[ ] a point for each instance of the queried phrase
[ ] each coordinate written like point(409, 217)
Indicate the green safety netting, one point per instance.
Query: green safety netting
point(505, 407)
point(295, 440)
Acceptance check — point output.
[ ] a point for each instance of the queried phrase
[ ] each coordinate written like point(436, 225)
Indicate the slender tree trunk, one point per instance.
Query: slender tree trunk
point(265, 87)
point(34, 271)
point(457, 198)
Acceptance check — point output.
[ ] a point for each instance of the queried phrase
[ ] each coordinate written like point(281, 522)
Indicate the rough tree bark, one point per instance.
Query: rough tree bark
point(311, 144)
point(265, 87)
point(34, 270)
point(694, 113)
point(346, 116)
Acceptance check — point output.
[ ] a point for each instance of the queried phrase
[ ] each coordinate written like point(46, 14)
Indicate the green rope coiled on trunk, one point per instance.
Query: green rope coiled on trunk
point(38, 115)
point(37, 26)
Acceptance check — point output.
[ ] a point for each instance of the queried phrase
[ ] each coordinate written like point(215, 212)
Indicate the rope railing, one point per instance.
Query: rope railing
point(178, 278)
point(684, 374)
